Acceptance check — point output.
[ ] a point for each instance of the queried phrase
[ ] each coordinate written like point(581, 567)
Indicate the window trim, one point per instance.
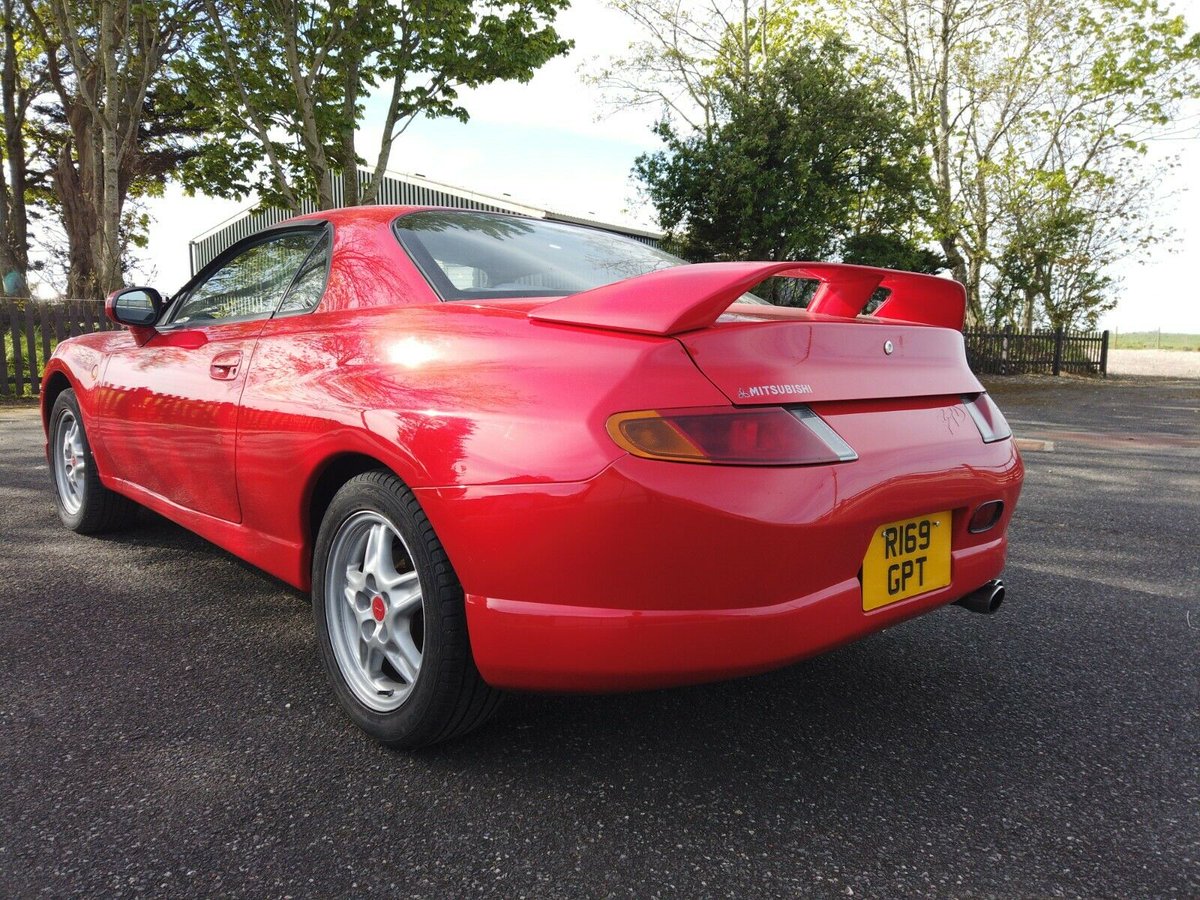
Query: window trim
point(278, 313)
point(320, 226)
point(425, 263)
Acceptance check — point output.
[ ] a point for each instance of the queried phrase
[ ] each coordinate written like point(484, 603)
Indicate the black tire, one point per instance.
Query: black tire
point(448, 697)
point(98, 509)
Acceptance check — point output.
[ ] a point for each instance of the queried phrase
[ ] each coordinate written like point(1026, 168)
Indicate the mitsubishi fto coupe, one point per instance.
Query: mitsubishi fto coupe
point(506, 453)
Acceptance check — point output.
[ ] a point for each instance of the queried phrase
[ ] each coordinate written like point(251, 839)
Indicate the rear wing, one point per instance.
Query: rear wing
point(684, 298)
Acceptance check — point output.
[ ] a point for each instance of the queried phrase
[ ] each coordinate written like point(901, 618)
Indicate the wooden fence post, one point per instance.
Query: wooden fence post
point(1104, 355)
point(14, 327)
point(1058, 351)
point(44, 322)
point(35, 380)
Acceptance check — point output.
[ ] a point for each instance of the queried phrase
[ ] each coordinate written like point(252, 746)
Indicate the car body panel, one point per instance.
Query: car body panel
point(584, 567)
point(687, 298)
point(751, 359)
point(714, 544)
point(181, 388)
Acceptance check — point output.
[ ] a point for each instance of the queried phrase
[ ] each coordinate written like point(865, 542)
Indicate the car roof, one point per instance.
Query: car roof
point(366, 215)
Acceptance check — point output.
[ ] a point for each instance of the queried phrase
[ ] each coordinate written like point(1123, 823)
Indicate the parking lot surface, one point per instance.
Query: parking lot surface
point(165, 728)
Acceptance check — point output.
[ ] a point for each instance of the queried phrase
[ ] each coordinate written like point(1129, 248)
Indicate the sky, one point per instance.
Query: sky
point(554, 142)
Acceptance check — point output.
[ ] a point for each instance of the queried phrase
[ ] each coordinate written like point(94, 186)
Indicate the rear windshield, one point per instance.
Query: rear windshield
point(474, 255)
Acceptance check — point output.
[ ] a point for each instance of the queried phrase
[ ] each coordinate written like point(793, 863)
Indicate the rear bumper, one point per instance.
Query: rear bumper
point(654, 574)
point(536, 646)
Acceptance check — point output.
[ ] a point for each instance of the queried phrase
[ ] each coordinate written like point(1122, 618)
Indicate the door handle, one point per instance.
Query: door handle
point(224, 366)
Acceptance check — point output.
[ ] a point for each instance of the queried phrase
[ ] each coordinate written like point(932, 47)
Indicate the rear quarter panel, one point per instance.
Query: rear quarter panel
point(445, 395)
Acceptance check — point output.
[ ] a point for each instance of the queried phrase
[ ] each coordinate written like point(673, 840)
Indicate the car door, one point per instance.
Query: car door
point(168, 409)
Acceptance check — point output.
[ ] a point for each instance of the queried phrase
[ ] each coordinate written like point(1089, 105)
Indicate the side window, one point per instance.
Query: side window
point(251, 284)
point(309, 286)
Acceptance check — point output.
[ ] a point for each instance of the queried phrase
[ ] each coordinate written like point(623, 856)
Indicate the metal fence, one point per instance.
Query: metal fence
point(29, 332)
point(1011, 352)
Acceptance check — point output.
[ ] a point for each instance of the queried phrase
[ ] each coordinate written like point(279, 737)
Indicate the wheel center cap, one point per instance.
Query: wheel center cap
point(378, 608)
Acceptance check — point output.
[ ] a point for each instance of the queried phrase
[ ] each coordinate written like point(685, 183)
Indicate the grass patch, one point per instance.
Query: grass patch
point(1153, 340)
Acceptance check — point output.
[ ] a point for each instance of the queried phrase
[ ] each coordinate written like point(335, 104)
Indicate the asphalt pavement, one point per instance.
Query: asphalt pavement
point(165, 728)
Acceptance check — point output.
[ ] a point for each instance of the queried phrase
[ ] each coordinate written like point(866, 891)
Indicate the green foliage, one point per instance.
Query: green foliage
point(1038, 118)
point(284, 80)
point(892, 251)
point(805, 159)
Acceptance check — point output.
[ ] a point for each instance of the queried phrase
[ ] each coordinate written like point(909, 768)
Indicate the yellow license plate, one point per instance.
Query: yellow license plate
point(906, 558)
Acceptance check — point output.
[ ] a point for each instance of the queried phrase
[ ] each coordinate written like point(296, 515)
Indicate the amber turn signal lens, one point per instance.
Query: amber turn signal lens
point(739, 437)
point(649, 434)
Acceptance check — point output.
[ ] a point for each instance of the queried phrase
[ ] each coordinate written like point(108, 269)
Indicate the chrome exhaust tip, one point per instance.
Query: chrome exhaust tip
point(985, 600)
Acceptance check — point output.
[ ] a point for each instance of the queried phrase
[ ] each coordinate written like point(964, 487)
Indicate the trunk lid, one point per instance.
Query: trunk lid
point(762, 356)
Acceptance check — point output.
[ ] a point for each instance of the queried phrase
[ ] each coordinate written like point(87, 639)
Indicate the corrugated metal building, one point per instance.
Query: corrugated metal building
point(401, 190)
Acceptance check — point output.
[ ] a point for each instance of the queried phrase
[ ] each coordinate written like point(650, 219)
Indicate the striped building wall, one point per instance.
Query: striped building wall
point(399, 190)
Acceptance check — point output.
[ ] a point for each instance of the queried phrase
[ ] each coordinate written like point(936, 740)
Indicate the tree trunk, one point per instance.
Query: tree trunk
point(306, 107)
point(109, 241)
point(79, 223)
point(943, 186)
point(349, 156)
point(974, 279)
point(14, 220)
point(350, 195)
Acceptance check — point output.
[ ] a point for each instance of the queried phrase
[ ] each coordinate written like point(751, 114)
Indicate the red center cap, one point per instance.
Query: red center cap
point(378, 608)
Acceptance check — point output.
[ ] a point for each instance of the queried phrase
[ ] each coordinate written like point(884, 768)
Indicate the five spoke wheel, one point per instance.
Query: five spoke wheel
point(391, 619)
point(70, 466)
point(375, 612)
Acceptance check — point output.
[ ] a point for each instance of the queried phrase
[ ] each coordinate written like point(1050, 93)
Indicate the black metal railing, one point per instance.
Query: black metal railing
point(1047, 352)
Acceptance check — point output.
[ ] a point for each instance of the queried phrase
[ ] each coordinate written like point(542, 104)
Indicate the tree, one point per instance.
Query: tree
point(683, 53)
point(1013, 95)
point(1073, 186)
point(286, 81)
point(803, 158)
point(105, 64)
point(21, 80)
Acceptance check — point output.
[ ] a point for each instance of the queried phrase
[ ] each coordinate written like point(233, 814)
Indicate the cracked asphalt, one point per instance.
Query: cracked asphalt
point(165, 728)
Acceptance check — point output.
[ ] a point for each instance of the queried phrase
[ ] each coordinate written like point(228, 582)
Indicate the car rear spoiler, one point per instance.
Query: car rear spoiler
point(684, 298)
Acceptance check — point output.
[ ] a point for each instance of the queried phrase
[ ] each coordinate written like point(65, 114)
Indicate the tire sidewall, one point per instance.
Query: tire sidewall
point(407, 724)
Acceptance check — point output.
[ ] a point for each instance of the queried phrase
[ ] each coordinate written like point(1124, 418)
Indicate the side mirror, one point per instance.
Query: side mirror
point(137, 307)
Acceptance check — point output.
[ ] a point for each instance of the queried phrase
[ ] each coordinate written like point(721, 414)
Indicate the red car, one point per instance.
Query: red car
point(505, 453)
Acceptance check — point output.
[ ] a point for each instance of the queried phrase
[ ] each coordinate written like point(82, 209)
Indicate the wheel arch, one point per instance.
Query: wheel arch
point(55, 383)
point(326, 480)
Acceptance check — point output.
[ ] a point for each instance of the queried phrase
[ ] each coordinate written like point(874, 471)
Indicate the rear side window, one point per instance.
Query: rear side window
point(309, 285)
point(251, 284)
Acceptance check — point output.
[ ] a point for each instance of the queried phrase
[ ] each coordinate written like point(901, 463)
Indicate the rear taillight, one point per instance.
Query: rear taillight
point(770, 436)
point(988, 419)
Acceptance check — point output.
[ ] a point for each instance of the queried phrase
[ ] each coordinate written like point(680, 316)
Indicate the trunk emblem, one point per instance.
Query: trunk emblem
point(773, 390)
point(888, 347)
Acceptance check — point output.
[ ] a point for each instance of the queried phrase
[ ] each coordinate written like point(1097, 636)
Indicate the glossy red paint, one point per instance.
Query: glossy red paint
point(141, 333)
point(686, 298)
point(584, 568)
